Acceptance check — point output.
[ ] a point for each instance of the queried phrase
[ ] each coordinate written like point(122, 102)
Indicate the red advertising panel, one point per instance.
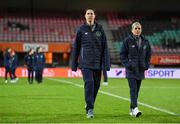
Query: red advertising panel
point(48, 72)
point(165, 60)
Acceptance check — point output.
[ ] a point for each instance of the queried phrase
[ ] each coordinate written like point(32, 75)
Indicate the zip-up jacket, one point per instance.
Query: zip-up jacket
point(29, 61)
point(39, 61)
point(90, 48)
point(136, 60)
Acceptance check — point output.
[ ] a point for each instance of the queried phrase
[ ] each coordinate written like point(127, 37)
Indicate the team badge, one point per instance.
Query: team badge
point(98, 33)
point(144, 47)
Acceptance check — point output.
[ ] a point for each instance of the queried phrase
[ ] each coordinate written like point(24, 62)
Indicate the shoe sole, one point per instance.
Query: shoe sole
point(131, 114)
point(138, 114)
point(90, 116)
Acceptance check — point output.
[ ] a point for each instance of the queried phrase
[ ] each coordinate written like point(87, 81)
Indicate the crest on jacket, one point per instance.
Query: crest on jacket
point(98, 33)
point(144, 47)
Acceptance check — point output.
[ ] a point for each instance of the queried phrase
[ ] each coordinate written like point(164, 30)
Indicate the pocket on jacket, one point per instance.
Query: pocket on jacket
point(129, 65)
point(132, 65)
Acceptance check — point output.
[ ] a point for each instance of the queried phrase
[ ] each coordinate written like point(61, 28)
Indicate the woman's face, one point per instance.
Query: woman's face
point(9, 50)
point(90, 16)
point(31, 52)
point(137, 30)
point(40, 50)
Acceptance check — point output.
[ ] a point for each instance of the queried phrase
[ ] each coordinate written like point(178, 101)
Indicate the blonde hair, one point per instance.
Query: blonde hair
point(135, 24)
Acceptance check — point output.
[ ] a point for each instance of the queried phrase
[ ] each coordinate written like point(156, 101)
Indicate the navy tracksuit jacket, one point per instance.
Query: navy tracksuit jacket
point(136, 60)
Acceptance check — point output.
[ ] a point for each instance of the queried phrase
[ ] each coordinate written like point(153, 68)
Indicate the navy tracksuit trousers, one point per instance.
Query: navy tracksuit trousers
point(30, 75)
point(134, 86)
point(39, 75)
point(8, 70)
point(92, 80)
point(13, 72)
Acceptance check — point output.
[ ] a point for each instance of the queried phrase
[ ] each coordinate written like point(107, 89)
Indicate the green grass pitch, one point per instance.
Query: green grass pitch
point(60, 100)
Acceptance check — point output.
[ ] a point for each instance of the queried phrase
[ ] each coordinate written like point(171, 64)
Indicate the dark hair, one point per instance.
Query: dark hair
point(93, 11)
point(7, 49)
point(89, 9)
point(30, 50)
point(37, 49)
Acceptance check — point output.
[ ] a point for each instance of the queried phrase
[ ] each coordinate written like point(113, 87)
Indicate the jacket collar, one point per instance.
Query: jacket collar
point(92, 28)
point(141, 36)
point(142, 41)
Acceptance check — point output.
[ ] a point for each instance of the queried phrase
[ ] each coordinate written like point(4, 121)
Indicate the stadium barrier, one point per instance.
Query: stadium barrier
point(113, 73)
point(165, 60)
point(47, 47)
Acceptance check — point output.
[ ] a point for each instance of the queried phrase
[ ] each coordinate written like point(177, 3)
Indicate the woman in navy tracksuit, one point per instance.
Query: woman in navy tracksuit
point(90, 47)
point(135, 56)
point(29, 60)
point(14, 61)
point(39, 64)
point(7, 64)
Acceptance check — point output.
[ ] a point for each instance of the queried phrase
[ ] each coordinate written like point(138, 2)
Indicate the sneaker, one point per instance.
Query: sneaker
point(16, 79)
point(136, 112)
point(86, 109)
point(130, 113)
point(105, 83)
point(13, 81)
point(6, 81)
point(90, 114)
point(30, 82)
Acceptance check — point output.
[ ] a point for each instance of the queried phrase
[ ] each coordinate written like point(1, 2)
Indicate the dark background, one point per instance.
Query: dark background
point(104, 5)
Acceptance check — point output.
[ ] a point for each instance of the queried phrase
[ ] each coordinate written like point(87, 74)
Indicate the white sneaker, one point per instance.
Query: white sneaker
point(136, 112)
point(13, 81)
point(105, 83)
point(90, 113)
point(16, 79)
point(130, 113)
point(6, 81)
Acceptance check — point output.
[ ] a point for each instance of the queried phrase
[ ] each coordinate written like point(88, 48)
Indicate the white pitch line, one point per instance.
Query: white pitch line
point(119, 97)
point(150, 87)
point(161, 87)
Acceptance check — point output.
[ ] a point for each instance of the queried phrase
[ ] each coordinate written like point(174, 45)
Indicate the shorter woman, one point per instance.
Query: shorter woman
point(29, 63)
point(14, 61)
point(7, 64)
point(39, 64)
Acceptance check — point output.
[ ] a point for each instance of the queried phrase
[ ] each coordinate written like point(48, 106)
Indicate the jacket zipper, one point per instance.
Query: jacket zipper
point(82, 53)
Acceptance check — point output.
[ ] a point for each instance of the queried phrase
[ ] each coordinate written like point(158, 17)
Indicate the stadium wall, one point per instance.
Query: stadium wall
point(47, 47)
